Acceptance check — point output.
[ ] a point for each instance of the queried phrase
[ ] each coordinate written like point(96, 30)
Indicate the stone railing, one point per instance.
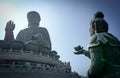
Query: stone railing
point(23, 52)
point(34, 68)
point(34, 57)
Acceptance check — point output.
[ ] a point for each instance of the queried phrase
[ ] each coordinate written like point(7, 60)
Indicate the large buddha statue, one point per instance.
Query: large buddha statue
point(34, 37)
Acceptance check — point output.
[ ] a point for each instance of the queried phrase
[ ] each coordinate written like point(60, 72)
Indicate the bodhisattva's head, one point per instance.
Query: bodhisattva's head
point(33, 18)
point(98, 24)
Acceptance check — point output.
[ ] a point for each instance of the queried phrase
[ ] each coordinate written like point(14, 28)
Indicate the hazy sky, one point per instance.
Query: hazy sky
point(67, 22)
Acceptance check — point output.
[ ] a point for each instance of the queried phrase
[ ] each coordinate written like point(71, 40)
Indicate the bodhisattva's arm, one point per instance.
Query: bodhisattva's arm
point(9, 35)
point(80, 50)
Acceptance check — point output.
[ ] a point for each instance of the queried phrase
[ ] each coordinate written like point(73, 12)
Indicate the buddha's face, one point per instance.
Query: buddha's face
point(33, 18)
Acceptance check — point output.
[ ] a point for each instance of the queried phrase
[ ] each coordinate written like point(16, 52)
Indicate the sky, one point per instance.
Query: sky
point(67, 22)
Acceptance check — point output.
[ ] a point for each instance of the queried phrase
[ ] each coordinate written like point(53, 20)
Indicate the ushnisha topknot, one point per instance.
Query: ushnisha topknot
point(98, 23)
point(98, 14)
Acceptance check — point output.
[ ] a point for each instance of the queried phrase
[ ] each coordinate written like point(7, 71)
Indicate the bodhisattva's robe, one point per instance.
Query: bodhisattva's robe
point(104, 51)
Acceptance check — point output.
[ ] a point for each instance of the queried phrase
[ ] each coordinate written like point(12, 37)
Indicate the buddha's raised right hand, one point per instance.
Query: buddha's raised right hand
point(10, 26)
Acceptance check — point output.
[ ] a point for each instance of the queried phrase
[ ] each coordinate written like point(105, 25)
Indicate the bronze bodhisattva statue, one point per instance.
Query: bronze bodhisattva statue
point(103, 50)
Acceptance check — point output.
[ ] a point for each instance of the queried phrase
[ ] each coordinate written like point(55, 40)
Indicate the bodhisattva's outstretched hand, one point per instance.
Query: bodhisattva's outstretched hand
point(79, 50)
point(10, 26)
